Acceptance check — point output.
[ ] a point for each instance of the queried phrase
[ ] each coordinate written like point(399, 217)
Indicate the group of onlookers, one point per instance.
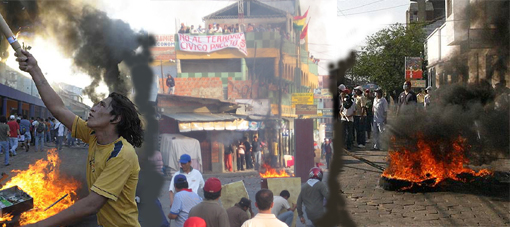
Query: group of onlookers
point(246, 153)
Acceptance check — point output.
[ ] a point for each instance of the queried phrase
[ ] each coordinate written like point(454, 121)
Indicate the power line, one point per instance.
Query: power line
point(362, 5)
point(376, 10)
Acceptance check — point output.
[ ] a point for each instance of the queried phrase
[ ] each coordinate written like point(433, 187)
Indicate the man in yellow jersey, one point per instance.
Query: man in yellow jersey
point(112, 131)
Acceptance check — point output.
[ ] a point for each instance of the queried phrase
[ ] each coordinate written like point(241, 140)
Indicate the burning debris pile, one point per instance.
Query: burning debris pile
point(44, 183)
point(431, 146)
point(272, 173)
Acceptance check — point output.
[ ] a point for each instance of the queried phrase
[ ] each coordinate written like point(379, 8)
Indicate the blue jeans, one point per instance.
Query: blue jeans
point(60, 140)
point(287, 217)
point(4, 147)
point(39, 141)
point(70, 140)
point(14, 144)
point(48, 136)
point(258, 159)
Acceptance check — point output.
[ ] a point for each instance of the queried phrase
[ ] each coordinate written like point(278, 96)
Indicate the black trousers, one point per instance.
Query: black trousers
point(249, 163)
point(240, 162)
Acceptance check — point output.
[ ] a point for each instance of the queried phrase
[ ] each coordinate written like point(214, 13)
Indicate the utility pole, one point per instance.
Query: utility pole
point(280, 72)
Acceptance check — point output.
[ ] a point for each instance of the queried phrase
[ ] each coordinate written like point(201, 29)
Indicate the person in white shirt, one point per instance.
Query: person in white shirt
point(281, 202)
point(426, 101)
point(60, 128)
point(380, 109)
point(193, 176)
point(347, 116)
point(264, 202)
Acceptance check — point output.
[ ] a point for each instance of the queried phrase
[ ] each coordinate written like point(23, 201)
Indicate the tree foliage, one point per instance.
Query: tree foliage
point(382, 60)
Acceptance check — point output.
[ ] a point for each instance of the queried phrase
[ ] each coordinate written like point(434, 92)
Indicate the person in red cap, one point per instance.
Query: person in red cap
point(210, 210)
point(195, 222)
point(312, 196)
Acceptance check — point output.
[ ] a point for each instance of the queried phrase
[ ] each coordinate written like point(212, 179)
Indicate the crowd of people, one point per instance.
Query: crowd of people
point(248, 155)
point(189, 209)
point(24, 132)
point(227, 28)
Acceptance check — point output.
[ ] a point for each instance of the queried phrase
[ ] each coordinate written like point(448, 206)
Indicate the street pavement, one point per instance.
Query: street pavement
point(367, 204)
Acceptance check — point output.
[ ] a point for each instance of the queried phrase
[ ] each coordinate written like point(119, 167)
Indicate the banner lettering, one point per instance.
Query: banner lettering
point(211, 43)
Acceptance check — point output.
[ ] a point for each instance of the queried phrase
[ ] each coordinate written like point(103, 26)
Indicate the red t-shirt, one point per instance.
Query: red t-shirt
point(13, 125)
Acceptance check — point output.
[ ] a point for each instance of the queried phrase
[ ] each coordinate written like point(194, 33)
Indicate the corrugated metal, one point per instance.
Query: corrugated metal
point(201, 117)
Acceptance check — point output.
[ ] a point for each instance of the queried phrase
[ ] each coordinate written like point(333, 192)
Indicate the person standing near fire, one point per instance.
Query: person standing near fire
point(241, 152)
point(4, 139)
point(257, 152)
point(13, 138)
point(380, 110)
point(170, 83)
point(248, 153)
point(407, 99)
point(112, 131)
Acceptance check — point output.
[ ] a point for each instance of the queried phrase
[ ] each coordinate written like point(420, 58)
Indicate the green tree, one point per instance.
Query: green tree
point(382, 60)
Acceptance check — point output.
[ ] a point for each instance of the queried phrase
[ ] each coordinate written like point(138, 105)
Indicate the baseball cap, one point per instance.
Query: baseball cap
point(194, 222)
point(212, 185)
point(378, 89)
point(341, 87)
point(180, 179)
point(12, 117)
point(428, 88)
point(185, 158)
point(245, 202)
point(358, 88)
point(347, 91)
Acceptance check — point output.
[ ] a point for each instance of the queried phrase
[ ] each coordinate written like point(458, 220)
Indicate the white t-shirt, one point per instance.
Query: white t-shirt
point(379, 109)
point(279, 204)
point(263, 220)
point(195, 180)
point(60, 128)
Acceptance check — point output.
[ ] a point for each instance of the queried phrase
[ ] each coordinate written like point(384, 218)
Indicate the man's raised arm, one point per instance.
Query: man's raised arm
point(50, 98)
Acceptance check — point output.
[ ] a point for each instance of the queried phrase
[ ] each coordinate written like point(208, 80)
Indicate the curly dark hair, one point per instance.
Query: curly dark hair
point(130, 125)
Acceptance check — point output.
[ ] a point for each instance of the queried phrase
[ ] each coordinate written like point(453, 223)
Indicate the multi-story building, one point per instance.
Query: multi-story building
point(274, 66)
point(472, 44)
point(430, 13)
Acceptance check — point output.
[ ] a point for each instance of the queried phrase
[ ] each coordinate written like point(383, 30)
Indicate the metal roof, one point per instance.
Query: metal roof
point(202, 117)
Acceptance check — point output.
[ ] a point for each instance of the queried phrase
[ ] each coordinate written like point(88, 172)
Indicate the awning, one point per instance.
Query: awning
point(202, 117)
point(209, 122)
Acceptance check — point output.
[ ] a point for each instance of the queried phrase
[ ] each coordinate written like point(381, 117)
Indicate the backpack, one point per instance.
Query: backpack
point(41, 127)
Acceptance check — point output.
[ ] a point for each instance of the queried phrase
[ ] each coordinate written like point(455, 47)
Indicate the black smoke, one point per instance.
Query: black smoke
point(476, 110)
point(98, 44)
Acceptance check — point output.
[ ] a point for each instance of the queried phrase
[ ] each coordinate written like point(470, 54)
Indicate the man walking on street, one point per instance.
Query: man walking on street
point(24, 128)
point(407, 99)
point(193, 177)
point(13, 138)
point(312, 195)
point(112, 131)
point(209, 209)
point(264, 202)
point(257, 152)
point(380, 109)
point(184, 200)
point(237, 214)
point(4, 139)
point(40, 128)
point(59, 128)
point(329, 152)
point(281, 202)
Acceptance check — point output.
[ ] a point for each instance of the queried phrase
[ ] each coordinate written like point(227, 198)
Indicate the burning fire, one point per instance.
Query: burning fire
point(44, 182)
point(272, 173)
point(431, 161)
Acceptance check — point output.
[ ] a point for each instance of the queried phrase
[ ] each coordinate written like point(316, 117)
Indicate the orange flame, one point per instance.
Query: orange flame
point(425, 164)
point(46, 185)
point(272, 173)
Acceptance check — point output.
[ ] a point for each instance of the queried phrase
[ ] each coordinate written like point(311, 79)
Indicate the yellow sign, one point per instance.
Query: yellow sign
point(302, 98)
